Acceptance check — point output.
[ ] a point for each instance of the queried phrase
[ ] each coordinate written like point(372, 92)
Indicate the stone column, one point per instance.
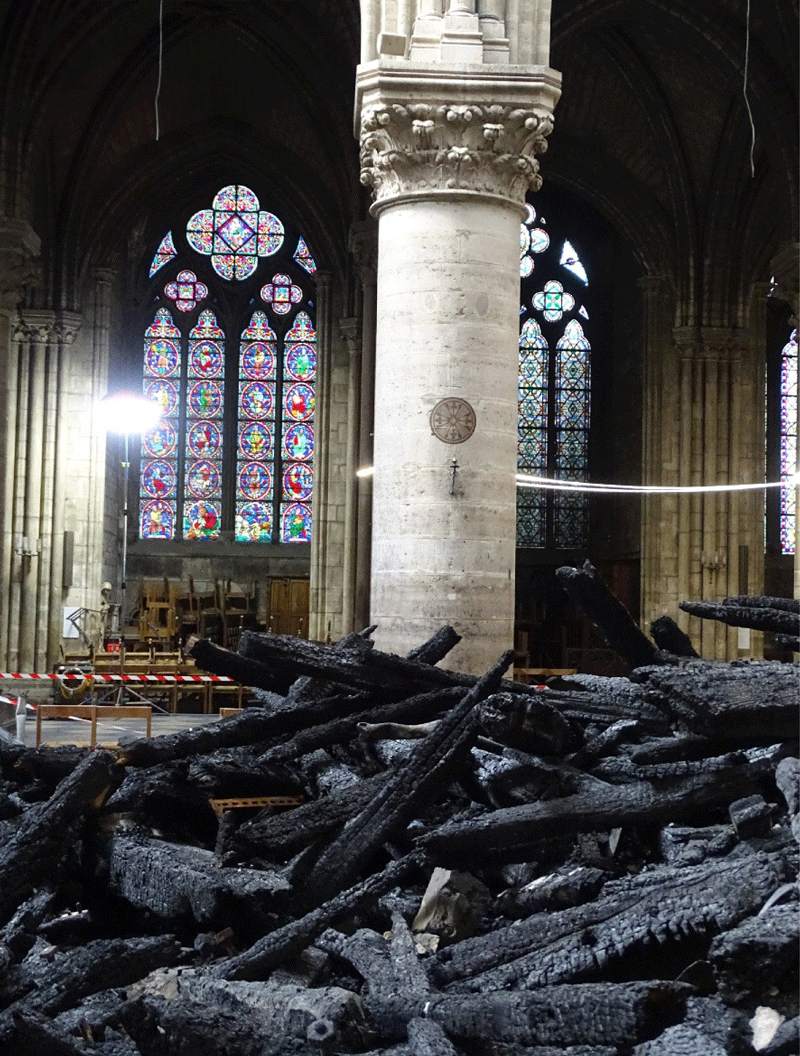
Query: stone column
point(317, 591)
point(720, 436)
point(351, 332)
point(53, 592)
point(364, 247)
point(659, 562)
point(19, 249)
point(450, 154)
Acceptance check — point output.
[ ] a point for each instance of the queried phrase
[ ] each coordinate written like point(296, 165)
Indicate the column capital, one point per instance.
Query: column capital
point(36, 325)
point(67, 327)
point(350, 329)
point(710, 342)
point(19, 261)
point(432, 128)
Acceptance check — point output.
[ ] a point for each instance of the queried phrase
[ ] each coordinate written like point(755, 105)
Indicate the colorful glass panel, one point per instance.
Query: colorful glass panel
point(296, 523)
point(554, 390)
point(165, 252)
point(297, 431)
point(553, 301)
point(235, 232)
point(532, 432)
point(202, 490)
point(186, 291)
point(572, 393)
point(281, 294)
point(157, 520)
point(302, 255)
point(254, 522)
point(789, 395)
point(159, 466)
point(256, 444)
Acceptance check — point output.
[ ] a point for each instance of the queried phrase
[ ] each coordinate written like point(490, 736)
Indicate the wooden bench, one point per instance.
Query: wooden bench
point(91, 713)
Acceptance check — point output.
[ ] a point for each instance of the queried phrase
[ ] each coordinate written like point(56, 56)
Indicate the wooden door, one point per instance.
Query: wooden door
point(288, 607)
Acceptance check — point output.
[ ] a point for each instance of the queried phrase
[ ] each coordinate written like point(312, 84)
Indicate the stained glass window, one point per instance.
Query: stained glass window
point(186, 291)
point(159, 466)
point(235, 232)
point(534, 355)
point(303, 257)
point(165, 252)
point(554, 389)
point(297, 430)
point(255, 454)
point(789, 368)
point(231, 461)
point(202, 505)
point(281, 294)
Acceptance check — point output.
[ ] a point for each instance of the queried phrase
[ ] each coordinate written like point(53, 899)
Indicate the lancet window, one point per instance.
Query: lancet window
point(554, 386)
point(230, 355)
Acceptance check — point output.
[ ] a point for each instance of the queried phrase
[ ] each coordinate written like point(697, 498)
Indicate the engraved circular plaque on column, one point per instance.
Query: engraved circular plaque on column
point(453, 420)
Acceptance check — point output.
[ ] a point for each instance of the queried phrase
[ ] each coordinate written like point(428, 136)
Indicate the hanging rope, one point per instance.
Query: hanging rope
point(161, 59)
point(746, 100)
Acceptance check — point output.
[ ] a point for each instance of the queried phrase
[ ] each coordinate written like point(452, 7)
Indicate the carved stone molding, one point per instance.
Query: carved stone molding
point(19, 263)
point(710, 342)
point(363, 244)
point(36, 326)
point(350, 329)
point(419, 134)
point(44, 327)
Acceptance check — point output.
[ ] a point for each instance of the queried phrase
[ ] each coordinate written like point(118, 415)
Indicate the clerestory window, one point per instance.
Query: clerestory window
point(230, 355)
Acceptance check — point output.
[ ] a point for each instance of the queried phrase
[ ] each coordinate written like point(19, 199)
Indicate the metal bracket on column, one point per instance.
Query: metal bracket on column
point(454, 467)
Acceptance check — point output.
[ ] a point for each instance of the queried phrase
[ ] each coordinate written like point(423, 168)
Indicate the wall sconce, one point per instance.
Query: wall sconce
point(715, 561)
point(26, 551)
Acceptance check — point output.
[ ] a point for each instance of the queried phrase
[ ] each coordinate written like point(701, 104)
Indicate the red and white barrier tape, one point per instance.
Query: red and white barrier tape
point(75, 676)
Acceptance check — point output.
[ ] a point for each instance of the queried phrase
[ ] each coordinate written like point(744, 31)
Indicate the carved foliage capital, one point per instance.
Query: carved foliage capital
point(483, 147)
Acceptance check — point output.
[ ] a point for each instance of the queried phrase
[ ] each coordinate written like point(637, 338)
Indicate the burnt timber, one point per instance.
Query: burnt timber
point(603, 867)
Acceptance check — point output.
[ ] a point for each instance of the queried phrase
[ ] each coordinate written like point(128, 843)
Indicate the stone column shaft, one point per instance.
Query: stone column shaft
point(317, 592)
point(450, 179)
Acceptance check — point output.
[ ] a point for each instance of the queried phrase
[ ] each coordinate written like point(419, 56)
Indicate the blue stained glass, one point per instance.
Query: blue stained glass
point(296, 523)
point(298, 482)
point(205, 439)
point(298, 402)
point(203, 479)
point(298, 442)
point(255, 480)
point(255, 440)
point(253, 522)
point(157, 520)
point(161, 441)
point(158, 479)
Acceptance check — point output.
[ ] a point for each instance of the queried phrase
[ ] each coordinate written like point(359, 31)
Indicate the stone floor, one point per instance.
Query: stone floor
point(109, 731)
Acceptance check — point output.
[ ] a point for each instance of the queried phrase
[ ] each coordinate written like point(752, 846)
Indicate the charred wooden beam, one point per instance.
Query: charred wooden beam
point(757, 601)
point(671, 639)
point(34, 853)
point(292, 938)
point(429, 769)
point(778, 621)
point(511, 834)
point(590, 1013)
point(581, 943)
point(744, 702)
point(588, 590)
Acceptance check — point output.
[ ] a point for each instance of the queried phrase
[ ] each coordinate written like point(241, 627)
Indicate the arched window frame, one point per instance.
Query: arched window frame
point(556, 336)
point(231, 303)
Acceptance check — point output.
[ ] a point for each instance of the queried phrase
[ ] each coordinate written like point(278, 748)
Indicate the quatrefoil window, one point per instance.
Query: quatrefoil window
point(186, 291)
point(553, 301)
point(281, 294)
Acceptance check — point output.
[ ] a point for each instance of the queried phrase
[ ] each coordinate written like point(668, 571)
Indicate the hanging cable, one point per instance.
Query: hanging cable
point(746, 100)
point(161, 59)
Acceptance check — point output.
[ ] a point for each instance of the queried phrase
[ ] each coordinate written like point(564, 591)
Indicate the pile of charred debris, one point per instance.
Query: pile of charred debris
point(449, 864)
